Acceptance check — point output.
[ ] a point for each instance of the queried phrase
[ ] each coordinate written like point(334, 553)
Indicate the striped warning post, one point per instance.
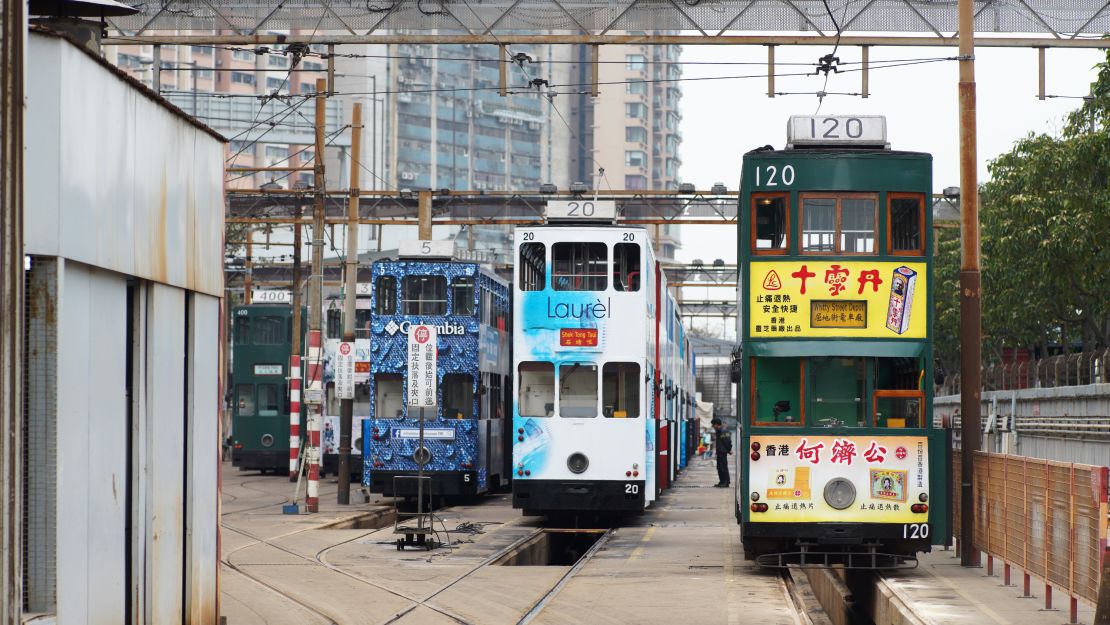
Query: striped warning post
point(315, 383)
point(294, 414)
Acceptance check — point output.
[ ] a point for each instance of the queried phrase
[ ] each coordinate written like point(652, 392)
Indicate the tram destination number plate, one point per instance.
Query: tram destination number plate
point(838, 314)
point(581, 209)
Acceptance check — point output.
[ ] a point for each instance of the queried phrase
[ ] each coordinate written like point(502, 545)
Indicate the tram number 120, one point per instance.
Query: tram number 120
point(915, 530)
point(772, 176)
point(631, 491)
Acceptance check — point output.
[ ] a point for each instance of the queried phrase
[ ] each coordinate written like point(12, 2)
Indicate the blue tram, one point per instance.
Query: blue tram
point(466, 433)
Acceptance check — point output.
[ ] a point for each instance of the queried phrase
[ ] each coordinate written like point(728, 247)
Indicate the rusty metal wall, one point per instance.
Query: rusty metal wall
point(13, 28)
point(1046, 518)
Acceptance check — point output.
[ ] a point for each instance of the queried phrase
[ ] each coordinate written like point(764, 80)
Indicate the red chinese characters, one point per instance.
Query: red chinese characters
point(843, 451)
point(803, 274)
point(875, 453)
point(869, 276)
point(835, 277)
point(812, 453)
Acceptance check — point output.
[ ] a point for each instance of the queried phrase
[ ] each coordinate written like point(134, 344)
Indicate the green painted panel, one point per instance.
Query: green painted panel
point(790, 348)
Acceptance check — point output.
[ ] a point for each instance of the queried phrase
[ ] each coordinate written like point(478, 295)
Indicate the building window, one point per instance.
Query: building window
point(770, 224)
point(385, 295)
point(537, 392)
point(636, 88)
point(579, 266)
point(620, 390)
point(635, 110)
point(128, 60)
point(635, 158)
point(307, 87)
point(533, 266)
point(199, 50)
point(907, 223)
point(458, 396)
point(243, 55)
point(635, 62)
point(312, 66)
point(277, 151)
point(635, 183)
point(462, 294)
point(424, 295)
point(242, 78)
point(578, 390)
point(634, 134)
point(273, 82)
point(838, 224)
point(277, 61)
point(204, 74)
point(626, 266)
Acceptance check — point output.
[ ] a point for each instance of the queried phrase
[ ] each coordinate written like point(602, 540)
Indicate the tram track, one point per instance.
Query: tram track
point(836, 596)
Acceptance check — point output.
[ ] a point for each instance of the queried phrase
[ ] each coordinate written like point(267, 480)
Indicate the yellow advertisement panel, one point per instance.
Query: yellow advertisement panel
point(888, 473)
point(808, 298)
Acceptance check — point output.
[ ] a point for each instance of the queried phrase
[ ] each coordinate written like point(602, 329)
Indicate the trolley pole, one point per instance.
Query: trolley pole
point(295, 352)
point(970, 296)
point(347, 407)
point(315, 395)
point(424, 215)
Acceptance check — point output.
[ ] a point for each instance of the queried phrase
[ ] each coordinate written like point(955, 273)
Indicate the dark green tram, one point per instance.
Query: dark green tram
point(838, 458)
point(262, 340)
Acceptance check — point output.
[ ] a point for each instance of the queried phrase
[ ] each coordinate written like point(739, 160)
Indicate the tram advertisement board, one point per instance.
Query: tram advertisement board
point(791, 473)
point(422, 366)
point(811, 298)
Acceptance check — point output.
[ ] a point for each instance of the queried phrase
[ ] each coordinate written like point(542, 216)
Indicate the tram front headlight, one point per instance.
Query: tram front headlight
point(840, 493)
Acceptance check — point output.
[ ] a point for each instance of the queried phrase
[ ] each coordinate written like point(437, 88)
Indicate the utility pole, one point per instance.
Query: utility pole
point(295, 352)
point(248, 296)
point(424, 215)
point(347, 407)
point(315, 395)
point(970, 296)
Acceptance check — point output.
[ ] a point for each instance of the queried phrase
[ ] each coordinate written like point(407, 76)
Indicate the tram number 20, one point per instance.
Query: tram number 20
point(631, 490)
point(915, 530)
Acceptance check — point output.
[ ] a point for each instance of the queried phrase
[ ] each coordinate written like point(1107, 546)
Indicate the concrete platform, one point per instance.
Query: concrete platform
point(681, 562)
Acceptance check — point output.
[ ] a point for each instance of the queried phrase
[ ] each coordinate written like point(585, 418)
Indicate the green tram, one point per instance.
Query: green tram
point(838, 459)
point(262, 340)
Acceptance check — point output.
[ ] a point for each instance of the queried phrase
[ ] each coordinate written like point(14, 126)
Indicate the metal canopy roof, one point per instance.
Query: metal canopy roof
point(1055, 18)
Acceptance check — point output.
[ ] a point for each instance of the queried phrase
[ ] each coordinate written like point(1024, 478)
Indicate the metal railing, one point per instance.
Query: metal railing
point(1047, 518)
point(1063, 370)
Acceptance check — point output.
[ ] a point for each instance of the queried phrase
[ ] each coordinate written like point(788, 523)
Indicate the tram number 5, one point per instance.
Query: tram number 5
point(632, 489)
point(770, 176)
point(915, 530)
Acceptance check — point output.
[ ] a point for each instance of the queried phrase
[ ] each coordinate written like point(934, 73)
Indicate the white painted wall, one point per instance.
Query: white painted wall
point(204, 458)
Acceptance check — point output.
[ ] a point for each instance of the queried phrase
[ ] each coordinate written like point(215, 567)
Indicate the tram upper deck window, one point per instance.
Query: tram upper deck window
point(362, 323)
point(578, 390)
point(388, 396)
point(385, 295)
point(537, 389)
point(770, 223)
point(626, 266)
point(620, 390)
point(242, 330)
point(458, 396)
point(907, 224)
point(269, 330)
point(777, 391)
point(533, 266)
point(462, 295)
point(424, 295)
point(579, 266)
point(838, 224)
point(836, 391)
point(335, 324)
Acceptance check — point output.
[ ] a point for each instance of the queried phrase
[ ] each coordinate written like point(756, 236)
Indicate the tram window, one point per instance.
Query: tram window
point(626, 266)
point(837, 391)
point(361, 406)
point(269, 400)
point(906, 221)
point(385, 295)
point(537, 389)
point(770, 224)
point(838, 225)
point(424, 295)
point(620, 389)
point(578, 390)
point(857, 225)
point(335, 324)
point(458, 396)
point(777, 391)
point(898, 409)
point(388, 396)
point(244, 398)
point(362, 323)
point(242, 330)
point(269, 330)
point(462, 294)
point(579, 266)
point(533, 266)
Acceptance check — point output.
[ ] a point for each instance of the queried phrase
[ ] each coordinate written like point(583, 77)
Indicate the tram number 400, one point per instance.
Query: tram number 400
point(631, 490)
point(915, 530)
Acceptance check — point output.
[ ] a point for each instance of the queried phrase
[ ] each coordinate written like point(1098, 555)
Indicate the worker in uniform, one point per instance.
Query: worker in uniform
point(723, 445)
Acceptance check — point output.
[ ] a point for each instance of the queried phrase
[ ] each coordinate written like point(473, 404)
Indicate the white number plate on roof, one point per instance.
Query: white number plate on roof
point(811, 130)
point(426, 249)
point(581, 209)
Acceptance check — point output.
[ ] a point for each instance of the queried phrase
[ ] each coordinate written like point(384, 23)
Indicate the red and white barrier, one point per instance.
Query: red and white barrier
point(315, 385)
point(294, 414)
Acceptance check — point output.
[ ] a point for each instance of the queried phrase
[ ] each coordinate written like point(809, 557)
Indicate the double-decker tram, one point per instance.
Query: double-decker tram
point(261, 342)
point(593, 349)
point(465, 437)
point(838, 458)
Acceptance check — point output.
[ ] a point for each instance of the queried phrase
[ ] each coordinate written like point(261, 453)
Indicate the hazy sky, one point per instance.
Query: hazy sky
point(722, 119)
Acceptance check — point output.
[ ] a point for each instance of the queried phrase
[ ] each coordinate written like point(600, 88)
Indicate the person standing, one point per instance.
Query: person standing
point(723, 451)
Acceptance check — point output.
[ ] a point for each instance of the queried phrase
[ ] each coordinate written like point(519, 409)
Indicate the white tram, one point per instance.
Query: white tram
point(595, 369)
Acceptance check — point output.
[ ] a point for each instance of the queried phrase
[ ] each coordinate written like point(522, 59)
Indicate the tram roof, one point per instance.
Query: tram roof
point(836, 151)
